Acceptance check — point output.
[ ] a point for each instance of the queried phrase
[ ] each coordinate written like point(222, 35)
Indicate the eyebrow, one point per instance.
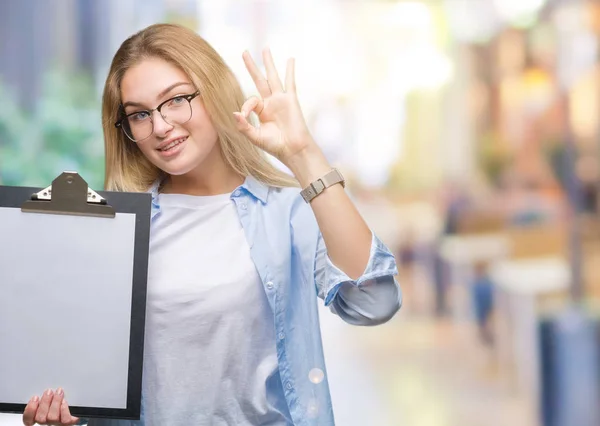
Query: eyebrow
point(161, 94)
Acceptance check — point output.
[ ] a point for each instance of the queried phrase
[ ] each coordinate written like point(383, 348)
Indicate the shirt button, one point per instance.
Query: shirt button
point(316, 375)
point(288, 385)
point(281, 336)
point(270, 285)
point(243, 206)
point(236, 193)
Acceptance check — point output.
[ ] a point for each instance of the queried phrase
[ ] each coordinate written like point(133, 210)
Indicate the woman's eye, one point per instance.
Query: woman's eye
point(139, 116)
point(177, 100)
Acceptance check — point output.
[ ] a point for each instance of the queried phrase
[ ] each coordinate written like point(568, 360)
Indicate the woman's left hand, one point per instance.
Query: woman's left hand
point(282, 132)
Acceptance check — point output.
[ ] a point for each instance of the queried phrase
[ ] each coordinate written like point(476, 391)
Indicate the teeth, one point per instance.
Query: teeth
point(172, 144)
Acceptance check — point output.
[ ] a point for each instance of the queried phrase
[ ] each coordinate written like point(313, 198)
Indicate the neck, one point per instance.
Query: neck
point(213, 178)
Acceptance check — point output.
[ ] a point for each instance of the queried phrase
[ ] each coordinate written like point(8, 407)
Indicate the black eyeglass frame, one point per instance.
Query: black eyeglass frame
point(119, 123)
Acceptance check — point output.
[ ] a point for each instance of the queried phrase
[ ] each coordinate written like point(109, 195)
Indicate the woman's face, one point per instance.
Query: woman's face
point(176, 146)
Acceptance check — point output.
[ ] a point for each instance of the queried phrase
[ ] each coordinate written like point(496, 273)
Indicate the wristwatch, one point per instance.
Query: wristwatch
point(318, 186)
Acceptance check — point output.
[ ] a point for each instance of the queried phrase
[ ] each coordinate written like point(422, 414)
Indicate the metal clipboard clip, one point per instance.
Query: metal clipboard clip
point(69, 194)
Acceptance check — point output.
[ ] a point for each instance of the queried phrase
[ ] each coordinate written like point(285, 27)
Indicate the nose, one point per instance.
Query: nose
point(161, 127)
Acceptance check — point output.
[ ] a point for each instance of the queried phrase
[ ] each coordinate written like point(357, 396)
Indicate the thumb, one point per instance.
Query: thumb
point(65, 415)
point(248, 129)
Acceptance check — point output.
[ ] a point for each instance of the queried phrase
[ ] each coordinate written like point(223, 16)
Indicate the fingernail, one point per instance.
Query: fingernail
point(59, 391)
point(35, 399)
point(49, 392)
point(238, 117)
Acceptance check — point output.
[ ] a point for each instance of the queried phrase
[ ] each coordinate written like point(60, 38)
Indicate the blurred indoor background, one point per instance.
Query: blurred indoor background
point(469, 133)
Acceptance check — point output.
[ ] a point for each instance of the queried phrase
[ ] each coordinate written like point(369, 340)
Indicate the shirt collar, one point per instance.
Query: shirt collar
point(154, 191)
point(253, 186)
point(256, 188)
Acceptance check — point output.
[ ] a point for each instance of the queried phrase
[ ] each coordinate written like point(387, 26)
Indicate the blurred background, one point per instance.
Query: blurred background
point(469, 133)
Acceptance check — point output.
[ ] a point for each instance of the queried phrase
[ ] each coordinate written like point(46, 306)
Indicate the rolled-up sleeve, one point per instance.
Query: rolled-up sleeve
point(372, 299)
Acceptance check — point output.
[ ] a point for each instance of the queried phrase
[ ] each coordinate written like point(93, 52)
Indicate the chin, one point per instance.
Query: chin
point(179, 167)
point(184, 162)
point(175, 171)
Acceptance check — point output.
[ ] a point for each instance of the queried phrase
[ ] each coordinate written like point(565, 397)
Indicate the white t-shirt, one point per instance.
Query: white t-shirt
point(210, 356)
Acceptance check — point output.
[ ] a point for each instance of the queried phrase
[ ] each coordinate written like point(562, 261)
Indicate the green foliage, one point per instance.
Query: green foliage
point(63, 132)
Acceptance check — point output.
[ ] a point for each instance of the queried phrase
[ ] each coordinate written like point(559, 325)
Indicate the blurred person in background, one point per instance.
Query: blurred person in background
point(588, 173)
point(237, 256)
point(482, 293)
point(454, 203)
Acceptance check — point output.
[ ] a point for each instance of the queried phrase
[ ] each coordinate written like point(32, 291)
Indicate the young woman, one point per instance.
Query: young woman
point(238, 254)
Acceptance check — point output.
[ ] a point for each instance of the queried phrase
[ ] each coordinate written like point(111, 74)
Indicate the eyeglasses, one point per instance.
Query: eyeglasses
point(139, 125)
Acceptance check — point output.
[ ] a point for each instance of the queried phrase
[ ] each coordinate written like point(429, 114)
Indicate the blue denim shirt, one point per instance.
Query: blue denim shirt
point(291, 259)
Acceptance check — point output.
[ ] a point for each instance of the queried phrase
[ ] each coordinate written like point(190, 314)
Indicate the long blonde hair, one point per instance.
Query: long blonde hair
point(127, 169)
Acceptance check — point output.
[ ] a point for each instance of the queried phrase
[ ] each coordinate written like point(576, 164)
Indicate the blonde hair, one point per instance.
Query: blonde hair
point(127, 169)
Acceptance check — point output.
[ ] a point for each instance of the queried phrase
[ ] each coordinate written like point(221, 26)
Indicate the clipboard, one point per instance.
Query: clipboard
point(73, 278)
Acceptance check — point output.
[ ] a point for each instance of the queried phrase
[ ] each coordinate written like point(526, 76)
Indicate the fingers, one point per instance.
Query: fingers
point(253, 104)
point(41, 416)
point(65, 414)
point(246, 128)
point(262, 85)
point(272, 75)
point(272, 83)
point(290, 79)
point(30, 411)
point(54, 410)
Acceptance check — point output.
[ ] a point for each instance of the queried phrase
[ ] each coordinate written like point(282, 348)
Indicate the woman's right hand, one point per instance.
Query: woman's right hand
point(51, 409)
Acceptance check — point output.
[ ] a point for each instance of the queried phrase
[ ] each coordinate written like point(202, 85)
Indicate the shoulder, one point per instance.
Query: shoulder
point(287, 199)
point(286, 195)
point(289, 203)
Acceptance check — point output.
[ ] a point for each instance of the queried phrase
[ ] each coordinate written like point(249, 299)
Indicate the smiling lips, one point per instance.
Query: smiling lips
point(171, 148)
point(172, 144)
